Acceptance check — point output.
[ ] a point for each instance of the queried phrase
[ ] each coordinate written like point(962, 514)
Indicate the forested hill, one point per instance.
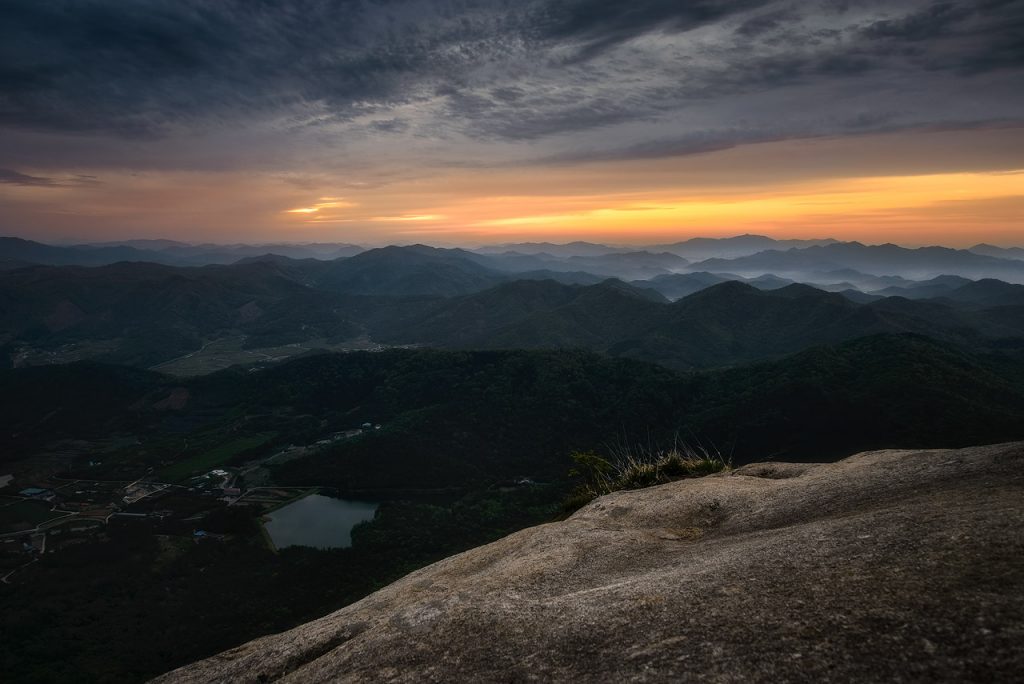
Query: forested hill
point(147, 314)
point(457, 418)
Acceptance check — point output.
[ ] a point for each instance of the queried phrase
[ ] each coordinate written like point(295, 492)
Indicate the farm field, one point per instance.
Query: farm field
point(230, 351)
point(214, 457)
point(19, 514)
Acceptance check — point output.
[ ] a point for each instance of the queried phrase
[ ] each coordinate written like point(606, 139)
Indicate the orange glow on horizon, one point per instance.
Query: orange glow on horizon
point(950, 187)
point(324, 203)
point(880, 203)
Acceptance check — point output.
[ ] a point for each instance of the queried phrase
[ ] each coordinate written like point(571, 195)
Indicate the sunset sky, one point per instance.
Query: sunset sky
point(475, 121)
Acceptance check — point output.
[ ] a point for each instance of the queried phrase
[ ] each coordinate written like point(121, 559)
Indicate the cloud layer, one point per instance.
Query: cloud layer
point(481, 81)
point(366, 93)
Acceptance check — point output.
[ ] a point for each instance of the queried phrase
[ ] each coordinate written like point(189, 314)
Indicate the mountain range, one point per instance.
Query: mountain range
point(682, 314)
point(727, 323)
point(828, 263)
point(17, 252)
point(145, 314)
point(878, 260)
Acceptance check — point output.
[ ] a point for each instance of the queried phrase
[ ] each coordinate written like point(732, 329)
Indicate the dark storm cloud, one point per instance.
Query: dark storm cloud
point(490, 70)
point(138, 67)
point(935, 20)
point(766, 22)
point(1004, 49)
point(966, 36)
point(535, 114)
point(599, 24)
point(718, 140)
point(90, 64)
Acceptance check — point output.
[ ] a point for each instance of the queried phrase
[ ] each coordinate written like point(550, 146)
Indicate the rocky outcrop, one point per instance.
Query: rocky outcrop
point(887, 566)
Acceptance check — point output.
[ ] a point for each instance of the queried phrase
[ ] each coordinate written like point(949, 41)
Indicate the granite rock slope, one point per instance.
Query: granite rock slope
point(886, 566)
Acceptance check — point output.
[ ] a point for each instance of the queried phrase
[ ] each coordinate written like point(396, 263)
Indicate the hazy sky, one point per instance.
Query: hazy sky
point(496, 120)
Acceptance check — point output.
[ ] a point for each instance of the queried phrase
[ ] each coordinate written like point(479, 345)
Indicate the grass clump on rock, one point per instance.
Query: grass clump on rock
point(636, 468)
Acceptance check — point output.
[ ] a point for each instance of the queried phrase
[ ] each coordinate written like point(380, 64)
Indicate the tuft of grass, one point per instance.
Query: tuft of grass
point(636, 468)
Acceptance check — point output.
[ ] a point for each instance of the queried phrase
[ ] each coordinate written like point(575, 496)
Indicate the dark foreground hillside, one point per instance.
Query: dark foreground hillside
point(887, 566)
point(472, 446)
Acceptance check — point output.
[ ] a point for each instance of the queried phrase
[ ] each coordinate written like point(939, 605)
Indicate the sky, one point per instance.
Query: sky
point(480, 121)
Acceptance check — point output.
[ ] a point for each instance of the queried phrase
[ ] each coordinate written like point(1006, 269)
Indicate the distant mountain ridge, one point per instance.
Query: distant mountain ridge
point(407, 271)
point(1000, 252)
point(578, 248)
point(448, 298)
point(826, 262)
point(631, 265)
point(732, 247)
point(878, 260)
point(727, 323)
point(22, 252)
point(692, 249)
point(28, 252)
point(145, 313)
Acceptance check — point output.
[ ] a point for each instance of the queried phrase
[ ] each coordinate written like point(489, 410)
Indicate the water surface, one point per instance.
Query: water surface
point(319, 521)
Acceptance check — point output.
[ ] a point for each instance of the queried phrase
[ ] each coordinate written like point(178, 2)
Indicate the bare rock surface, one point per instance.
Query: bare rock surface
point(886, 566)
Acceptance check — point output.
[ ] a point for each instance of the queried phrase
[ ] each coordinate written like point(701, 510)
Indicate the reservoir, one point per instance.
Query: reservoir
point(319, 521)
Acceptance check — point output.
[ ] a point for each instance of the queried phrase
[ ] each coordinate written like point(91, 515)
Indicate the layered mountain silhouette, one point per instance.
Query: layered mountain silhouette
point(879, 260)
point(1000, 252)
point(415, 270)
point(149, 313)
point(17, 253)
point(732, 247)
point(727, 323)
point(828, 263)
point(145, 313)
